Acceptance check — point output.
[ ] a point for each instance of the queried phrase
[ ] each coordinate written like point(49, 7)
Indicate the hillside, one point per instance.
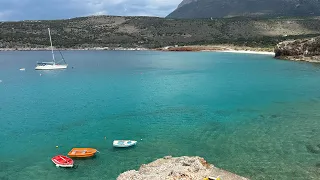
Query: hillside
point(230, 8)
point(150, 32)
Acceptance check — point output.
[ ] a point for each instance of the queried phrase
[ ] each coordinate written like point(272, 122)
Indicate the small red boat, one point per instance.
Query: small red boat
point(62, 161)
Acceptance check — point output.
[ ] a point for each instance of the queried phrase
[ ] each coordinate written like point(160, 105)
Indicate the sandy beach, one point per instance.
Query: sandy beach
point(248, 52)
point(221, 48)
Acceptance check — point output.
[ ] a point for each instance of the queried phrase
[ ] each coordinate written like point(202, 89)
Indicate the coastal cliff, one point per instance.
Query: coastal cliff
point(170, 168)
point(299, 50)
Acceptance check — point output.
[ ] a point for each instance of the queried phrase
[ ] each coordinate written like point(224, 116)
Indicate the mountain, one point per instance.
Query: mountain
point(231, 8)
point(152, 32)
point(185, 2)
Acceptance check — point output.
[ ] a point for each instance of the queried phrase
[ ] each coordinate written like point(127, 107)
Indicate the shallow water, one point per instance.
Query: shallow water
point(249, 114)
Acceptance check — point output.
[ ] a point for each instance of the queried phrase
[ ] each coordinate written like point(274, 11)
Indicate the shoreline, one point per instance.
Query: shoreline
point(224, 49)
point(221, 48)
point(74, 49)
point(312, 59)
point(248, 52)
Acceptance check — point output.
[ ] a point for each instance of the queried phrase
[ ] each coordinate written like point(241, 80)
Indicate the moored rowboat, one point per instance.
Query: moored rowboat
point(82, 152)
point(62, 161)
point(124, 143)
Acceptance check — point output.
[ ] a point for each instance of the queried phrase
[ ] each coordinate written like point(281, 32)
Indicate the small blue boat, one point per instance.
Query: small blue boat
point(124, 143)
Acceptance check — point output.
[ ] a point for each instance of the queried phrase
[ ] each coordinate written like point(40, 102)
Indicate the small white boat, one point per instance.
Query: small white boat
point(51, 65)
point(124, 143)
point(22, 69)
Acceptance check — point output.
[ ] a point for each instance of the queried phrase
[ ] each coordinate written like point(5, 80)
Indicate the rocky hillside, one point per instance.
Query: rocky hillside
point(227, 8)
point(151, 32)
point(299, 50)
point(187, 168)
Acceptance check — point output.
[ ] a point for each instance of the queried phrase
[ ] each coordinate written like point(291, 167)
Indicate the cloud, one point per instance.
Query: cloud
point(58, 9)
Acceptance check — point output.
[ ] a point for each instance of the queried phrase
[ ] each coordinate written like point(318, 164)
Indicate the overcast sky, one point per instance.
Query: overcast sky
point(60, 9)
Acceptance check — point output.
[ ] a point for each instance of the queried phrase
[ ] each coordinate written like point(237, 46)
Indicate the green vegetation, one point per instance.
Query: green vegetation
point(151, 32)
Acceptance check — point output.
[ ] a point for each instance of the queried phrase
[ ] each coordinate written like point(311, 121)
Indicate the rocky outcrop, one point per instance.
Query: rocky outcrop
point(186, 168)
point(299, 50)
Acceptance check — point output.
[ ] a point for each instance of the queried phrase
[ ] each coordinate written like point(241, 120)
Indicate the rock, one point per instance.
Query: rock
point(167, 157)
point(299, 50)
point(313, 149)
point(172, 168)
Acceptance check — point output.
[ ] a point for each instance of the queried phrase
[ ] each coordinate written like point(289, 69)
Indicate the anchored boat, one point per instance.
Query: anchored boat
point(52, 65)
point(62, 161)
point(124, 143)
point(82, 152)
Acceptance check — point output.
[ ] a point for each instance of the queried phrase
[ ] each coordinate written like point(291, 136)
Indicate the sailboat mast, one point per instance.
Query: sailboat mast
point(51, 46)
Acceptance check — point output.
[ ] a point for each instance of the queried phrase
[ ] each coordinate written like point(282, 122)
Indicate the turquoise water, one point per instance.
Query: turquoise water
point(249, 114)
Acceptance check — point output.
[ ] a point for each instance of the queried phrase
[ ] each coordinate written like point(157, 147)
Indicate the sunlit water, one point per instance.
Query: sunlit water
point(249, 114)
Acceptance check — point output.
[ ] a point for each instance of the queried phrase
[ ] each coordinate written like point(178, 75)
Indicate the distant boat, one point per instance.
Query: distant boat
point(82, 152)
point(22, 69)
point(62, 161)
point(51, 65)
point(124, 143)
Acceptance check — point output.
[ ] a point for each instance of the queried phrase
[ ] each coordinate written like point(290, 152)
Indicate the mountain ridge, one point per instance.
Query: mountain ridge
point(185, 2)
point(230, 8)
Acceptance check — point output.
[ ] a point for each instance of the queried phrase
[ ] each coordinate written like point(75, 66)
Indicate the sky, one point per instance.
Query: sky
point(63, 9)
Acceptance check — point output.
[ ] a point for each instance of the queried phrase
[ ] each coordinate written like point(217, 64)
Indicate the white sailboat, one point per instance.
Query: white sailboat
point(51, 65)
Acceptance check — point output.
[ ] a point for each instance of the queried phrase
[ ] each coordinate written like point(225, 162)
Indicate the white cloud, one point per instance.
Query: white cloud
point(165, 2)
point(100, 13)
point(56, 9)
point(127, 7)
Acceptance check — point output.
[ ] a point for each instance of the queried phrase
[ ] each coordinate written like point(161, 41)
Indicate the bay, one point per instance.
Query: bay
point(248, 114)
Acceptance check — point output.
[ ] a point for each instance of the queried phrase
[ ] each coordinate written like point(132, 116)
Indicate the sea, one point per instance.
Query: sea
point(249, 114)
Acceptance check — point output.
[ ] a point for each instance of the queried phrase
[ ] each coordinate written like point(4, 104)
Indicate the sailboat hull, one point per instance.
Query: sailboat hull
point(51, 67)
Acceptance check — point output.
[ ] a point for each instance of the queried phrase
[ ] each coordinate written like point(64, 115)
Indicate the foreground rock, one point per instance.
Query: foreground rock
point(299, 50)
point(186, 168)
